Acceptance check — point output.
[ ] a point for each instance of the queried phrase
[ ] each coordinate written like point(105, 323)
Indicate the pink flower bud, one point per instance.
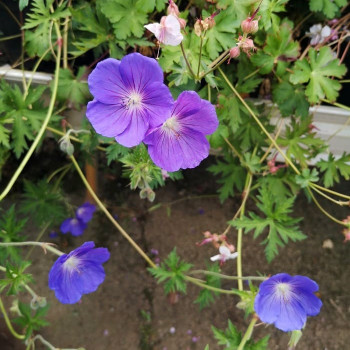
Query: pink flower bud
point(173, 9)
point(182, 22)
point(235, 52)
point(209, 22)
point(249, 27)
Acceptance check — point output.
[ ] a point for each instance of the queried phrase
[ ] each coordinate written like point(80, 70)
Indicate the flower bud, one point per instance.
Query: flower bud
point(209, 22)
point(249, 27)
point(235, 52)
point(182, 22)
point(173, 9)
point(66, 146)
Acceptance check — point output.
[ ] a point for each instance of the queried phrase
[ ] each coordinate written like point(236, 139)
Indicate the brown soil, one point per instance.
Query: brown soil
point(112, 317)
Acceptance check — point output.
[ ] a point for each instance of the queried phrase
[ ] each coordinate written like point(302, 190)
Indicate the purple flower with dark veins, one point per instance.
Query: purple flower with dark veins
point(129, 98)
point(286, 301)
point(77, 273)
point(85, 212)
point(75, 226)
point(180, 142)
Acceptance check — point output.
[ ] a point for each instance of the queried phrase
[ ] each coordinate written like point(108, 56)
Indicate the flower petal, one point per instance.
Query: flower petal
point(187, 104)
point(304, 283)
point(136, 131)
point(66, 225)
point(292, 316)
point(107, 119)
point(267, 307)
point(154, 28)
point(105, 82)
point(172, 35)
point(138, 71)
point(158, 102)
point(77, 227)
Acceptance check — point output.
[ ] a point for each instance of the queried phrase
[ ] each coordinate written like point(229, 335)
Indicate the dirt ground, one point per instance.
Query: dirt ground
point(113, 318)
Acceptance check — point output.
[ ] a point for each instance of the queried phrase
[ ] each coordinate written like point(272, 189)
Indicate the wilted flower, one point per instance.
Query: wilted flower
point(80, 272)
point(130, 98)
point(168, 31)
point(319, 34)
point(180, 143)
point(246, 44)
point(286, 301)
point(173, 9)
point(225, 254)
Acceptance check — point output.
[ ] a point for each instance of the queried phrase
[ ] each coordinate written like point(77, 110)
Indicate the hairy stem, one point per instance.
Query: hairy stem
point(248, 333)
point(187, 63)
point(8, 323)
point(44, 245)
point(109, 216)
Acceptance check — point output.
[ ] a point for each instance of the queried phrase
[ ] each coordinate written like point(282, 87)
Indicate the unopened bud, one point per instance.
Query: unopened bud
point(182, 22)
point(173, 9)
point(66, 146)
point(249, 26)
point(209, 22)
point(235, 52)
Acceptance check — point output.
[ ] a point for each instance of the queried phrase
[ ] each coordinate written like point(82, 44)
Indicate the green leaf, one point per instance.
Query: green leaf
point(328, 7)
point(306, 177)
point(73, 90)
point(127, 18)
point(172, 272)
point(220, 37)
point(333, 168)
point(10, 229)
point(115, 152)
point(276, 222)
point(301, 142)
point(317, 72)
point(232, 176)
point(23, 4)
point(207, 297)
point(43, 203)
point(291, 100)
point(15, 278)
point(268, 10)
point(279, 47)
point(31, 322)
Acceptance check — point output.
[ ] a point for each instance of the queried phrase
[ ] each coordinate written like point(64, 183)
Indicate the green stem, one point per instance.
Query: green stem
point(248, 333)
point(220, 275)
point(10, 37)
point(41, 131)
point(186, 60)
point(344, 81)
point(341, 195)
point(213, 289)
point(341, 203)
point(33, 71)
point(200, 57)
point(336, 104)
point(323, 210)
point(41, 233)
point(288, 161)
point(44, 245)
point(109, 216)
point(8, 323)
point(240, 231)
point(215, 67)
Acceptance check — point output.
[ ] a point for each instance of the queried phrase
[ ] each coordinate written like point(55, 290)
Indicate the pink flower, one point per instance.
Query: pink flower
point(225, 254)
point(168, 31)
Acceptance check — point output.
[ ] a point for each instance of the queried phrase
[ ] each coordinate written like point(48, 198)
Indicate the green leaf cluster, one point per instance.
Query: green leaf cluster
point(317, 71)
point(172, 273)
point(15, 278)
point(329, 8)
point(276, 222)
point(230, 338)
point(31, 321)
point(207, 297)
point(10, 231)
point(19, 117)
point(333, 168)
point(43, 203)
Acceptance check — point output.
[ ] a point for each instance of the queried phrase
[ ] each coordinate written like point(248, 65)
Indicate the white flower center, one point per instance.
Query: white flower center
point(133, 101)
point(71, 264)
point(172, 125)
point(283, 291)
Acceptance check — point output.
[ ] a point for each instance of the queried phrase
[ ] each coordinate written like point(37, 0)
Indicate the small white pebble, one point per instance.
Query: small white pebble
point(328, 244)
point(172, 330)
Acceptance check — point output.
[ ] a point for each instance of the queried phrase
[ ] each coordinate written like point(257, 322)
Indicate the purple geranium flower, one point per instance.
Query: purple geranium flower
point(180, 142)
point(130, 98)
point(85, 212)
point(80, 272)
point(286, 301)
point(73, 225)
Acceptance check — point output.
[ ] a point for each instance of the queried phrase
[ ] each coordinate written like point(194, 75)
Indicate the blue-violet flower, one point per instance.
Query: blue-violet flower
point(286, 301)
point(180, 142)
point(130, 98)
point(85, 212)
point(75, 226)
point(77, 273)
